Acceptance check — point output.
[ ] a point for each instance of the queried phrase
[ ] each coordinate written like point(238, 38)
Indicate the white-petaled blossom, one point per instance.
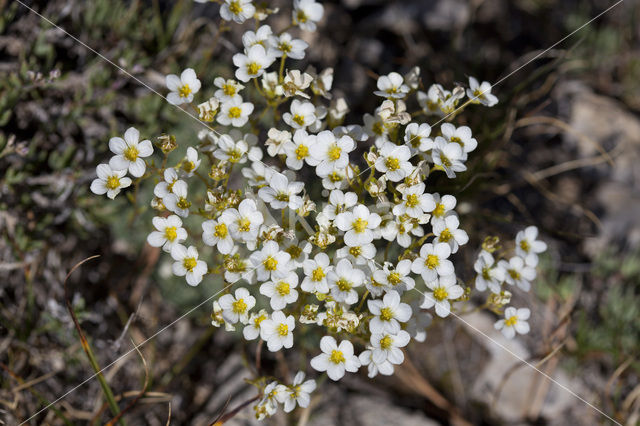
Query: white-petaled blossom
point(460, 135)
point(343, 280)
point(306, 13)
point(277, 331)
point(234, 112)
point(237, 10)
point(395, 279)
point(284, 44)
point(330, 152)
point(388, 313)
point(302, 114)
point(215, 233)
point(433, 262)
point(165, 187)
point(281, 193)
point(298, 150)
point(335, 359)
point(360, 255)
point(447, 231)
point(401, 230)
point(109, 181)
point(281, 291)
point(528, 246)
point(442, 290)
point(236, 307)
point(394, 161)
point(252, 64)
point(187, 264)
point(191, 161)
point(515, 321)
point(176, 202)
point(373, 368)
point(416, 136)
point(231, 150)
point(392, 86)
point(169, 231)
point(129, 152)
point(449, 157)
point(490, 275)
point(339, 202)
point(358, 225)
point(244, 221)
point(481, 93)
point(182, 89)
point(297, 393)
point(415, 203)
point(518, 272)
point(444, 207)
point(261, 36)
point(252, 330)
point(386, 346)
point(315, 272)
point(270, 262)
point(227, 89)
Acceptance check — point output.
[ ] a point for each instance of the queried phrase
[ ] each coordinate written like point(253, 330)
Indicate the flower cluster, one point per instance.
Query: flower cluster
point(359, 260)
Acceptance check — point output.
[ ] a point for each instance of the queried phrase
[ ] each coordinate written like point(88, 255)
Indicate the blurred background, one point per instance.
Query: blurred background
point(560, 151)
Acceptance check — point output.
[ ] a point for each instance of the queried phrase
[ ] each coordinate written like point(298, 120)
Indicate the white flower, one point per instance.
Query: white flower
point(230, 150)
point(253, 64)
point(339, 202)
point(306, 13)
point(447, 231)
point(191, 161)
point(298, 392)
point(316, 271)
point(286, 45)
point(358, 225)
point(481, 93)
point(109, 181)
point(442, 290)
point(515, 321)
point(392, 86)
point(415, 203)
point(335, 359)
point(449, 157)
point(528, 246)
point(130, 152)
point(277, 331)
point(430, 101)
point(331, 153)
point(401, 229)
point(268, 405)
point(295, 83)
point(386, 346)
point(394, 161)
point(164, 188)
point(388, 313)
point(281, 193)
point(281, 291)
point(237, 10)
point(416, 136)
point(361, 255)
point(235, 112)
point(385, 367)
point(252, 330)
point(460, 135)
point(518, 272)
point(433, 262)
point(261, 37)
point(243, 222)
point(375, 128)
point(270, 262)
point(236, 307)
point(336, 178)
point(343, 281)
point(215, 233)
point(277, 141)
point(298, 150)
point(489, 275)
point(395, 280)
point(302, 114)
point(177, 202)
point(169, 231)
point(227, 88)
point(444, 207)
point(182, 89)
point(187, 264)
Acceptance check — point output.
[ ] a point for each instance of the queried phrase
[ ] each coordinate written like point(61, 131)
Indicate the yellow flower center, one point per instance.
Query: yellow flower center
point(486, 273)
point(337, 357)
point(183, 203)
point(478, 94)
point(283, 329)
point(355, 251)
point(392, 163)
point(113, 182)
point(302, 151)
point(235, 7)
point(525, 246)
point(445, 235)
point(334, 152)
point(229, 89)
point(386, 342)
point(394, 278)
point(343, 285)
point(294, 251)
point(335, 177)
point(253, 68)
point(359, 225)
point(270, 264)
point(282, 196)
point(188, 166)
point(440, 294)
point(283, 288)
point(514, 274)
point(386, 314)
point(284, 47)
point(412, 200)
point(244, 224)
point(317, 274)
point(445, 161)
point(184, 91)
point(221, 230)
point(377, 128)
point(189, 263)
point(511, 321)
point(170, 233)
point(457, 140)
point(257, 320)
point(298, 119)
point(439, 210)
point(239, 306)
point(235, 112)
point(432, 261)
point(131, 153)
point(302, 17)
